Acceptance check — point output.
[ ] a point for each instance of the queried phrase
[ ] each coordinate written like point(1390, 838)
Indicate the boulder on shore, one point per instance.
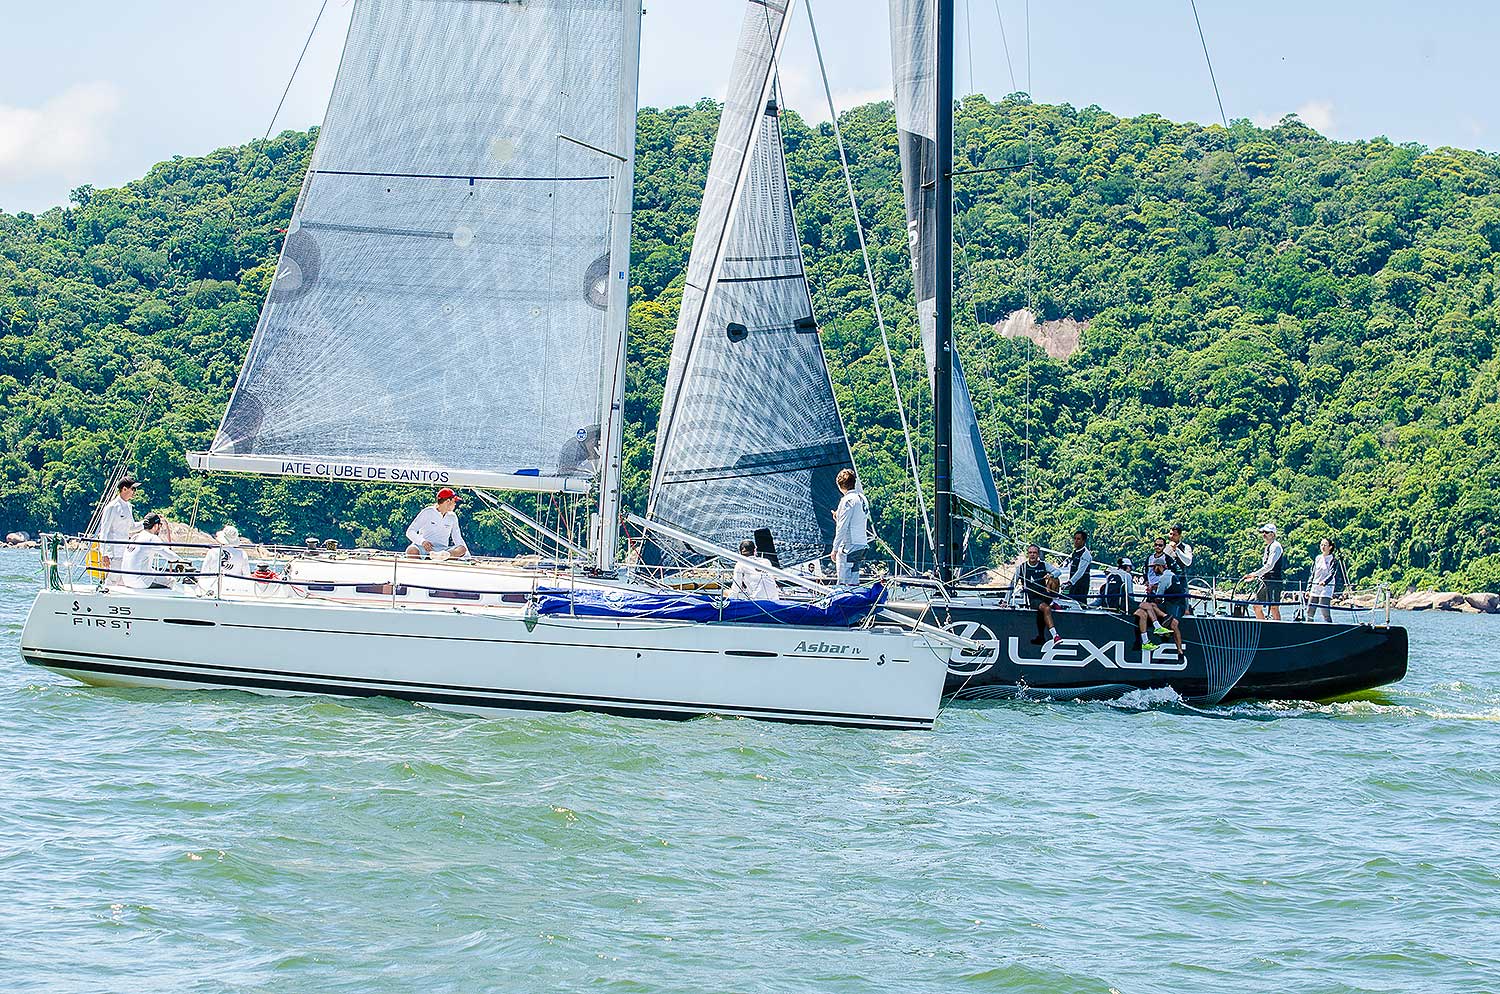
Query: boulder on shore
point(1448, 600)
point(17, 538)
point(1485, 603)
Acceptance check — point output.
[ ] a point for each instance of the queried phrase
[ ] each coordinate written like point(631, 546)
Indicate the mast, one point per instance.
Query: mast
point(942, 377)
point(613, 436)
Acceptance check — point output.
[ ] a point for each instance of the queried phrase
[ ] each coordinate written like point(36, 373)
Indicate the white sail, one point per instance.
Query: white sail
point(914, 68)
point(750, 436)
point(449, 301)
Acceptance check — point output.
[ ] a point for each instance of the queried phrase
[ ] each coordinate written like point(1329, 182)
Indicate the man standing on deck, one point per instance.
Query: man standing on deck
point(1272, 569)
point(435, 530)
point(115, 526)
point(851, 529)
point(1080, 564)
point(1179, 558)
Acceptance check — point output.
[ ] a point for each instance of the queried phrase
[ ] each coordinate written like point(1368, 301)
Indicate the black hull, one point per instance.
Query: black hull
point(1228, 659)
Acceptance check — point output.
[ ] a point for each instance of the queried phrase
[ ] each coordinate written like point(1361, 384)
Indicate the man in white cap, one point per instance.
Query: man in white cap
point(1272, 570)
point(434, 533)
point(233, 561)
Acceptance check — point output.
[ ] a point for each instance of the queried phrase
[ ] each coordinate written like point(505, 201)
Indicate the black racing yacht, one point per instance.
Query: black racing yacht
point(1099, 653)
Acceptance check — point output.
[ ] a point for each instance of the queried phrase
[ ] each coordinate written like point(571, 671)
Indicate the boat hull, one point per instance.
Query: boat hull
point(1227, 658)
point(489, 662)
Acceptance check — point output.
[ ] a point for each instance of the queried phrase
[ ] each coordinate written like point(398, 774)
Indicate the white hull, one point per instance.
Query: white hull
point(489, 661)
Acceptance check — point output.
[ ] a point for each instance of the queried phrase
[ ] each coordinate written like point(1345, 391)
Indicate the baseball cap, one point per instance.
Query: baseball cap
point(1126, 563)
point(446, 494)
point(1268, 528)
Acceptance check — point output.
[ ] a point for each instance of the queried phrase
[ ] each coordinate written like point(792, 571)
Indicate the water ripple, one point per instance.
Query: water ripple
point(224, 842)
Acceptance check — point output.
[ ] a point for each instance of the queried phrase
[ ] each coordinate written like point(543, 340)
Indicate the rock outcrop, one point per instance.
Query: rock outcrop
point(1447, 600)
point(1059, 339)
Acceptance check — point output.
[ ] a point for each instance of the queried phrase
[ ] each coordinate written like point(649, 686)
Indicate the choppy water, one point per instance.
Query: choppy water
point(154, 841)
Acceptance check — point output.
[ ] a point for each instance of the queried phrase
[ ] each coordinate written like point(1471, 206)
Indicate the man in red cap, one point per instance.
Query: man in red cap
point(434, 531)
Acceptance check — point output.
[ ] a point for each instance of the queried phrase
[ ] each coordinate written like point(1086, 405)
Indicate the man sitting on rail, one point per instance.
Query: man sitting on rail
point(434, 532)
point(1153, 611)
point(1032, 575)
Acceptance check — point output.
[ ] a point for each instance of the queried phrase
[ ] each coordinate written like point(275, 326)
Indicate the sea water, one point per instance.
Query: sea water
point(166, 841)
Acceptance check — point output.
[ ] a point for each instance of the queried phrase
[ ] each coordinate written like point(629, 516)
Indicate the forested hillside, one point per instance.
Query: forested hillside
point(1280, 326)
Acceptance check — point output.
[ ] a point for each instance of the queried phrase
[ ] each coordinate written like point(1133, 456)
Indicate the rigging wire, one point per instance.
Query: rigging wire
point(969, 42)
point(1202, 41)
point(864, 251)
point(292, 78)
point(1005, 44)
point(1026, 467)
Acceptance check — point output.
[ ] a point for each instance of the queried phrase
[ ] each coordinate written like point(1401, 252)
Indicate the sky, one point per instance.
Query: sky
point(96, 91)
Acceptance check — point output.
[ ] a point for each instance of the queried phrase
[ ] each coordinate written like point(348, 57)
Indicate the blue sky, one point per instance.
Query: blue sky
point(95, 91)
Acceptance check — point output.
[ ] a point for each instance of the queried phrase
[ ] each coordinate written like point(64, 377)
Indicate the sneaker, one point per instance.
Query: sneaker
point(1054, 642)
point(1163, 630)
point(1148, 646)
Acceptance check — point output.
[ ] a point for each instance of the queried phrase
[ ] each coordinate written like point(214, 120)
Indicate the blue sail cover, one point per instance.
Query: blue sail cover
point(842, 610)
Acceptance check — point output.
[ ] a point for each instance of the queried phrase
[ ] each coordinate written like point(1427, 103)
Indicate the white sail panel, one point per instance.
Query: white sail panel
point(750, 436)
point(443, 294)
point(914, 72)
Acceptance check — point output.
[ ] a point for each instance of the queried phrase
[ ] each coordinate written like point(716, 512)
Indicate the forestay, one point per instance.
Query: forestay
point(750, 436)
point(914, 66)
point(450, 296)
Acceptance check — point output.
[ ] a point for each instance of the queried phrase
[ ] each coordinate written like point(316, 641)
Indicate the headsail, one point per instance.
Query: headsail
point(750, 436)
point(444, 305)
point(914, 66)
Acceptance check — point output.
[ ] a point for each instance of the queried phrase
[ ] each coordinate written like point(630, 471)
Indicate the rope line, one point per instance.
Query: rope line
point(859, 229)
point(1204, 42)
point(295, 69)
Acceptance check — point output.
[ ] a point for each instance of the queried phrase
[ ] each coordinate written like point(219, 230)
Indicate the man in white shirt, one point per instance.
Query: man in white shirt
point(141, 567)
point(231, 559)
point(1272, 571)
point(115, 526)
point(435, 530)
point(750, 582)
point(852, 524)
point(1179, 558)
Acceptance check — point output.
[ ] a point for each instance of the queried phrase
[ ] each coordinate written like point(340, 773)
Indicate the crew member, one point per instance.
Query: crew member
point(1158, 555)
point(1080, 563)
point(1271, 572)
point(115, 525)
point(141, 558)
point(580, 455)
point(751, 583)
point(1324, 580)
point(1118, 590)
point(435, 530)
point(233, 560)
point(1179, 558)
point(1153, 612)
point(1033, 574)
point(851, 529)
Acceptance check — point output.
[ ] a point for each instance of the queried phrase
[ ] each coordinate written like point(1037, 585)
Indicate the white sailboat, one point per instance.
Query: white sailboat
point(450, 309)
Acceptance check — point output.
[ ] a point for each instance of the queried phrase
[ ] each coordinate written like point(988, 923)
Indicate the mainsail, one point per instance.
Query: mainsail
point(750, 436)
point(450, 297)
point(914, 66)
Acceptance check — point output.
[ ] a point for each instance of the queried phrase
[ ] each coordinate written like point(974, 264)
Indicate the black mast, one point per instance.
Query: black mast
point(942, 373)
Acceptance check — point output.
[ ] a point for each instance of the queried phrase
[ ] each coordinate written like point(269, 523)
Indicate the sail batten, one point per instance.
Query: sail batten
point(750, 436)
point(445, 294)
point(914, 72)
